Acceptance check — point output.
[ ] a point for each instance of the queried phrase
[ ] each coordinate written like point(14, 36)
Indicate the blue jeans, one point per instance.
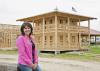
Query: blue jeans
point(26, 68)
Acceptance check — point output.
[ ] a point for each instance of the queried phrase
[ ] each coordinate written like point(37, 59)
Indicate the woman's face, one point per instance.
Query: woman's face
point(27, 30)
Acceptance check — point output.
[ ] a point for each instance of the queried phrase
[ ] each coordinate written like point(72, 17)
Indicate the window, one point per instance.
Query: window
point(45, 22)
point(61, 39)
point(51, 40)
point(97, 38)
point(51, 21)
point(73, 39)
point(66, 39)
point(45, 40)
point(66, 21)
point(61, 21)
point(45, 25)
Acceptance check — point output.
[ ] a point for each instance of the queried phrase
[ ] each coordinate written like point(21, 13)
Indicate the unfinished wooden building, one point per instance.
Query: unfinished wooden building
point(60, 31)
point(8, 35)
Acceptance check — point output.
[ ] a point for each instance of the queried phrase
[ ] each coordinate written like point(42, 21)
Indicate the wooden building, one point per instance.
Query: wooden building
point(8, 35)
point(60, 31)
point(94, 36)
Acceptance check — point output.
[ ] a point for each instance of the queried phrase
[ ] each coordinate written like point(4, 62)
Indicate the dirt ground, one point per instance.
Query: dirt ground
point(69, 65)
point(50, 64)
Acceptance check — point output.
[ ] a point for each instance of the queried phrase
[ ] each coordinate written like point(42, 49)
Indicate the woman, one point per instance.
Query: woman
point(28, 58)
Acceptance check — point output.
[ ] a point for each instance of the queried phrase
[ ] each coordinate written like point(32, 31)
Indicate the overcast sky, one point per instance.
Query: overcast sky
point(10, 10)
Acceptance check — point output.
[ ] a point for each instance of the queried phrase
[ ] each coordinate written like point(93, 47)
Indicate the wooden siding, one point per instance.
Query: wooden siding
point(60, 31)
point(8, 35)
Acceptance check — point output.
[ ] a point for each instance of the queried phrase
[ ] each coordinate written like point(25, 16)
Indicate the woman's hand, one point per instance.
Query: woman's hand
point(34, 66)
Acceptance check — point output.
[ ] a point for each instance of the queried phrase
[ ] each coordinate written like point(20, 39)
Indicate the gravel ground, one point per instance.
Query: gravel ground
point(50, 64)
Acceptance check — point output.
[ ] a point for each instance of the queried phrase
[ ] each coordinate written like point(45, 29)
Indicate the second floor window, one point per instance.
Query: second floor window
point(51, 21)
point(61, 39)
point(45, 22)
point(73, 39)
point(61, 21)
point(45, 40)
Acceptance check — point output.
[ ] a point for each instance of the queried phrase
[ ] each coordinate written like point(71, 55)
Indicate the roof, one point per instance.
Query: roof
point(94, 32)
point(58, 13)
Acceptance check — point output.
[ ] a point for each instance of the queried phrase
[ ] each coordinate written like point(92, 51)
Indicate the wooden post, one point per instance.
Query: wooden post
point(43, 32)
point(89, 31)
point(56, 31)
point(79, 35)
point(10, 39)
point(4, 40)
point(33, 26)
point(64, 40)
point(95, 39)
point(68, 33)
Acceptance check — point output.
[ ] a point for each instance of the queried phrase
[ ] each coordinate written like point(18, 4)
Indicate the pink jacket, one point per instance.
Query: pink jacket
point(25, 51)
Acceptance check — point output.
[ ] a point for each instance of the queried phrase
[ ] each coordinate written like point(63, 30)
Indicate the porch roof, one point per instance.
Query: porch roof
point(94, 32)
point(58, 13)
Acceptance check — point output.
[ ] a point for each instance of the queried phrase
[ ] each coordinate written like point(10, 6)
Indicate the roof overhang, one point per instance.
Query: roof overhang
point(53, 13)
point(94, 32)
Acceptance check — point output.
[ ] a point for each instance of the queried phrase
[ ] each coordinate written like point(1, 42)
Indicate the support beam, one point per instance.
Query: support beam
point(56, 31)
point(89, 30)
point(95, 39)
point(79, 36)
point(68, 33)
point(56, 52)
point(33, 26)
point(43, 31)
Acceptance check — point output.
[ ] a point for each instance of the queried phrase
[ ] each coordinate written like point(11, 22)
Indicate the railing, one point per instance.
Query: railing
point(38, 29)
point(84, 29)
point(85, 43)
point(73, 28)
point(80, 29)
point(74, 45)
point(61, 27)
point(50, 27)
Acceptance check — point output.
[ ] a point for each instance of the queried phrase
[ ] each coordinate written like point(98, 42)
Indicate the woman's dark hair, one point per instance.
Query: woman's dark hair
point(23, 26)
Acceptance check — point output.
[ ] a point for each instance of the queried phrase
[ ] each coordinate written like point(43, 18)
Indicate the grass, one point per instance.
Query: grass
point(70, 56)
point(95, 49)
point(12, 52)
point(92, 55)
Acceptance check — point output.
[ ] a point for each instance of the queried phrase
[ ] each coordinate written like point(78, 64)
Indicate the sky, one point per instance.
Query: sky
point(11, 10)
